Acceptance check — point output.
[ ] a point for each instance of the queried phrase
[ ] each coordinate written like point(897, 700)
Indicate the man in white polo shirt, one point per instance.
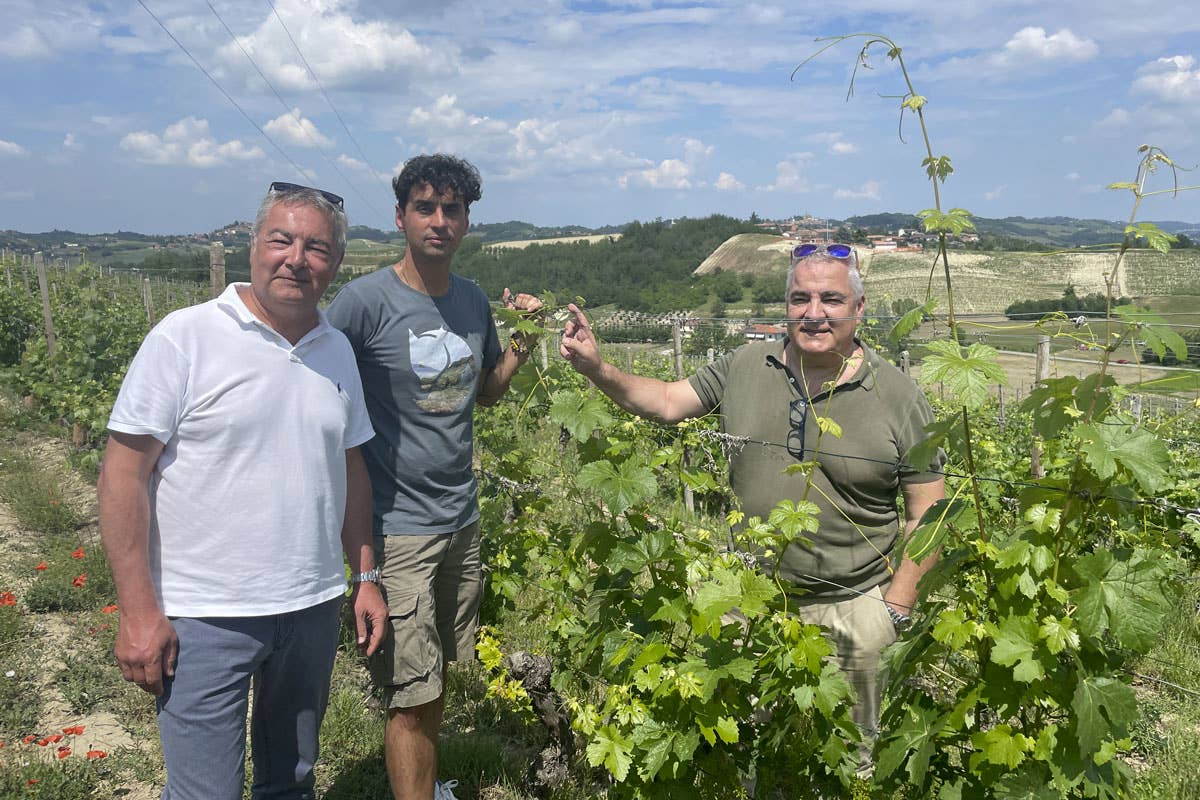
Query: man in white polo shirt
point(231, 485)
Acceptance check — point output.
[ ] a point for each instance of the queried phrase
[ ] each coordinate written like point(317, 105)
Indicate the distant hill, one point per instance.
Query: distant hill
point(1049, 231)
point(984, 282)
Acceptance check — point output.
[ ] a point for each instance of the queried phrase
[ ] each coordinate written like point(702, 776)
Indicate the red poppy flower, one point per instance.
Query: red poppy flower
point(42, 742)
point(54, 738)
point(63, 751)
point(77, 554)
point(31, 781)
point(80, 580)
point(1, 743)
point(8, 599)
point(74, 730)
point(109, 609)
point(29, 738)
point(41, 567)
point(96, 754)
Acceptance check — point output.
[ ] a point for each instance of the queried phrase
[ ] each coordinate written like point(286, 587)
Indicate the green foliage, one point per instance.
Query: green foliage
point(954, 221)
point(1011, 684)
point(42, 779)
point(34, 495)
point(76, 578)
point(98, 327)
point(648, 268)
point(664, 642)
point(968, 373)
point(1090, 305)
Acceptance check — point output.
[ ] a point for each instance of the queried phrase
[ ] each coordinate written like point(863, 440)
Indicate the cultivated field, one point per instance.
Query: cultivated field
point(521, 244)
point(989, 282)
point(365, 255)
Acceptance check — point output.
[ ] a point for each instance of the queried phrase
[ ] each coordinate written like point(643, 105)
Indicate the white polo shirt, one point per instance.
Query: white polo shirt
point(248, 497)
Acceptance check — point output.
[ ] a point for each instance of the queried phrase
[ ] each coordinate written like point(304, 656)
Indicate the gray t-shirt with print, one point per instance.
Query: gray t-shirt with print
point(420, 358)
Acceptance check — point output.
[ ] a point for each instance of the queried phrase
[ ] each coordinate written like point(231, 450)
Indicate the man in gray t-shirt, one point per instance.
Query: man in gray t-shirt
point(427, 352)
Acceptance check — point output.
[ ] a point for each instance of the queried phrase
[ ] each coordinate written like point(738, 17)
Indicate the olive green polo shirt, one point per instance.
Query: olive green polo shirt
point(882, 414)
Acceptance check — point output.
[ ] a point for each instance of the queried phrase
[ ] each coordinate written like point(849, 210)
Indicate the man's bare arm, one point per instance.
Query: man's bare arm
point(366, 601)
point(665, 401)
point(918, 497)
point(146, 643)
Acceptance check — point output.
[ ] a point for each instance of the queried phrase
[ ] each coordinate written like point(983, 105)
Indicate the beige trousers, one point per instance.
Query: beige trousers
point(860, 628)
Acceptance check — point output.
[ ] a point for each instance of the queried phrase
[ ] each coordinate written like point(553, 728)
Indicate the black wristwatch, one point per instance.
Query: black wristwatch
point(370, 576)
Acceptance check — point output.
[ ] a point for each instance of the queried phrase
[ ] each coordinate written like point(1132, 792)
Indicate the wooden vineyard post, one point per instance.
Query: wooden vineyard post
point(216, 268)
point(1043, 372)
point(677, 342)
point(47, 317)
point(545, 354)
point(1000, 406)
point(148, 300)
point(904, 361)
point(689, 501)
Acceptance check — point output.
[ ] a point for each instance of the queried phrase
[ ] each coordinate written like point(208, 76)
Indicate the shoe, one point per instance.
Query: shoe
point(441, 791)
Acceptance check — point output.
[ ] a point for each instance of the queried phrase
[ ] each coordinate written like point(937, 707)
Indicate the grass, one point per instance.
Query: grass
point(75, 577)
point(34, 495)
point(1166, 735)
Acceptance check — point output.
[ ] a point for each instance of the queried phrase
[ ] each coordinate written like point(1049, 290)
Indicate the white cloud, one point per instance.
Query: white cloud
point(563, 30)
point(343, 52)
point(670, 173)
point(1031, 44)
point(765, 15)
point(843, 148)
point(353, 163)
point(186, 142)
point(12, 149)
point(871, 190)
point(71, 143)
point(1072, 176)
point(296, 130)
point(789, 176)
point(696, 152)
point(446, 115)
point(994, 193)
point(726, 182)
point(25, 44)
point(1175, 80)
point(1117, 118)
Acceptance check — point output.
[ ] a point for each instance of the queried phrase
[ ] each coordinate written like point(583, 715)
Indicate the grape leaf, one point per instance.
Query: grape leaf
point(1140, 453)
point(579, 414)
point(1122, 593)
point(968, 373)
point(621, 486)
point(1104, 706)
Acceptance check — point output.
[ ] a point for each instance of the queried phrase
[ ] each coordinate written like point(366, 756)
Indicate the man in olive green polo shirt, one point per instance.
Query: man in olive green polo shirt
point(855, 581)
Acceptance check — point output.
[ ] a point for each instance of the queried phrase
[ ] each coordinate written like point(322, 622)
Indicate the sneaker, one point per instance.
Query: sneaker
point(441, 791)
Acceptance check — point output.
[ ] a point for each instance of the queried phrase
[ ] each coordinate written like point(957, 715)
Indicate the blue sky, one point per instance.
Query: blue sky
point(587, 113)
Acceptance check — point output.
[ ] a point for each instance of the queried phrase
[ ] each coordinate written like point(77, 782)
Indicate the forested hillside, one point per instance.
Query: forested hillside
point(648, 268)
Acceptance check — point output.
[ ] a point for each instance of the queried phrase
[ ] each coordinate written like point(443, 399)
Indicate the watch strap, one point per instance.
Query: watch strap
point(370, 576)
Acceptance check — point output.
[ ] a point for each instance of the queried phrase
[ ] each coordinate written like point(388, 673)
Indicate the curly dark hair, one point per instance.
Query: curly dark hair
point(442, 172)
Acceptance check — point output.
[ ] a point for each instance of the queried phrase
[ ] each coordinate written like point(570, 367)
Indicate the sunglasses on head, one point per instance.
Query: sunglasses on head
point(281, 186)
point(841, 251)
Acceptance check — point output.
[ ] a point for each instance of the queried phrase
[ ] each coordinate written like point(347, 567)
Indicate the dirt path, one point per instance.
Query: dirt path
point(57, 635)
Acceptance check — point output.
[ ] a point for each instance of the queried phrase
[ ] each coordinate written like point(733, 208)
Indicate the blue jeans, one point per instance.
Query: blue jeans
point(202, 710)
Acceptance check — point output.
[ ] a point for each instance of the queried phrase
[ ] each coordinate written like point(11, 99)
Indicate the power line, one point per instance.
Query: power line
point(324, 94)
point(228, 97)
point(287, 108)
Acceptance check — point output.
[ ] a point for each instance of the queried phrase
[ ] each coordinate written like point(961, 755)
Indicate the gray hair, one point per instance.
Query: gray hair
point(304, 196)
point(851, 264)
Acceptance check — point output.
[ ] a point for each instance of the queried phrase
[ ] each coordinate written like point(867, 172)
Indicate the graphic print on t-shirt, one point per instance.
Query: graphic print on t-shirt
point(445, 367)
